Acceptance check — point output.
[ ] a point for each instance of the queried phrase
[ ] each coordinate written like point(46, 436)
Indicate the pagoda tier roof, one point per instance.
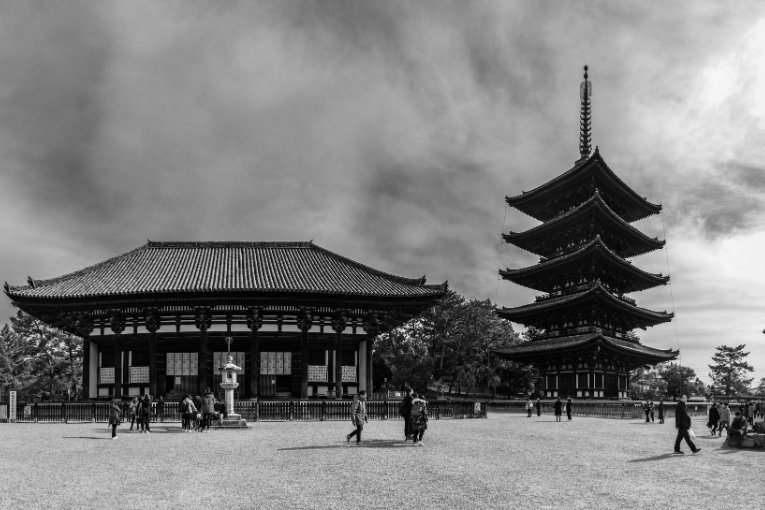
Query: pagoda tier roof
point(539, 276)
point(539, 349)
point(538, 239)
point(242, 269)
point(538, 312)
point(536, 203)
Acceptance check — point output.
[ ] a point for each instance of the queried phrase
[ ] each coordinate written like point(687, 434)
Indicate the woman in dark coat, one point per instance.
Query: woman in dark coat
point(558, 406)
point(714, 418)
point(115, 416)
point(683, 423)
point(144, 411)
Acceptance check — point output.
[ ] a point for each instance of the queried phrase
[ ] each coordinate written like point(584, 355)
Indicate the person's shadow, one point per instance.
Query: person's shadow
point(371, 443)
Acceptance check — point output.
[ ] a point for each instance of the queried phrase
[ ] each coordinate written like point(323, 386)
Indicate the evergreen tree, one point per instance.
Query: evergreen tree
point(729, 371)
point(680, 380)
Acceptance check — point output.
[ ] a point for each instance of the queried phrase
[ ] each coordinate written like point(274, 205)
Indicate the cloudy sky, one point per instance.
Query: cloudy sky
point(389, 132)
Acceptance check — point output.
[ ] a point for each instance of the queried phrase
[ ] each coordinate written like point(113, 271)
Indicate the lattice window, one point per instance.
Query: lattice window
point(317, 373)
point(107, 375)
point(349, 373)
point(139, 374)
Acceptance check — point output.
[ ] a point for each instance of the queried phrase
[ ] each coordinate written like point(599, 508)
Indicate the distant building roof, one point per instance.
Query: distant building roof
point(213, 267)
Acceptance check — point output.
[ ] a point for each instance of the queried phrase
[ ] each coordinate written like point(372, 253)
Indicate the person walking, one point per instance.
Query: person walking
point(419, 418)
point(569, 403)
point(661, 410)
point(208, 408)
point(724, 420)
point(557, 406)
point(144, 413)
point(115, 415)
point(359, 416)
point(538, 405)
point(683, 424)
point(406, 413)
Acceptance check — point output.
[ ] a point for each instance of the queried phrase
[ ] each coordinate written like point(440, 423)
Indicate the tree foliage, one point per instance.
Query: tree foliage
point(680, 380)
point(36, 359)
point(450, 346)
point(729, 370)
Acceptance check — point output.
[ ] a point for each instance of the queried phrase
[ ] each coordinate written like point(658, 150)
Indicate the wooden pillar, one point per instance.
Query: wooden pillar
point(83, 327)
point(254, 322)
point(338, 325)
point(117, 324)
point(304, 322)
point(372, 329)
point(203, 321)
point(153, 323)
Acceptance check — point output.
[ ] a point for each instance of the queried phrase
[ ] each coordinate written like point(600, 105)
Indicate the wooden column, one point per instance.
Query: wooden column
point(304, 322)
point(338, 325)
point(203, 321)
point(153, 323)
point(372, 329)
point(83, 327)
point(117, 324)
point(254, 322)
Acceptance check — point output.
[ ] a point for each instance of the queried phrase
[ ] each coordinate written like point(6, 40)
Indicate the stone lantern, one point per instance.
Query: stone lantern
point(229, 372)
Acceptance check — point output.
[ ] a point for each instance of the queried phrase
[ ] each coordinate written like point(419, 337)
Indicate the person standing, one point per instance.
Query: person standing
point(419, 418)
point(406, 413)
point(188, 412)
point(144, 413)
point(661, 410)
point(650, 409)
point(724, 420)
point(646, 410)
point(208, 408)
point(569, 403)
point(557, 406)
point(538, 405)
point(115, 414)
point(529, 406)
point(714, 418)
point(133, 410)
point(683, 423)
point(359, 415)
point(750, 414)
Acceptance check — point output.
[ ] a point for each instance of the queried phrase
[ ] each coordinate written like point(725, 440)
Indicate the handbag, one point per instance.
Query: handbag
point(691, 434)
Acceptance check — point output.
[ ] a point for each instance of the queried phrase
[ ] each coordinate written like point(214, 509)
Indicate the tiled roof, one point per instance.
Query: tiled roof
point(203, 267)
point(636, 242)
point(533, 202)
point(539, 347)
point(597, 294)
point(595, 251)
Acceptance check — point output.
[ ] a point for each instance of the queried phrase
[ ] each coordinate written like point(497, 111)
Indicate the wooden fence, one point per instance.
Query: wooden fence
point(280, 410)
point(630, 409)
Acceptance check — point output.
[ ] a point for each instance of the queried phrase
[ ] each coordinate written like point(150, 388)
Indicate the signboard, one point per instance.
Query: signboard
point(12, 406)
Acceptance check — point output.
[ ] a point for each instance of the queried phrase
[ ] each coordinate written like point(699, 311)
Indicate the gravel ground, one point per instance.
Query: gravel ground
point(505, 461)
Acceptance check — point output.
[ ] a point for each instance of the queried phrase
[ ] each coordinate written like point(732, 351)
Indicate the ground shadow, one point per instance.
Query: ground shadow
point(655, 457)
point(372, 443)
point(86, 437)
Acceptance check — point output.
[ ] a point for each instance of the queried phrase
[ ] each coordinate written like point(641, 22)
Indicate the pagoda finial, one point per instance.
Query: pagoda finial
point(585, 91)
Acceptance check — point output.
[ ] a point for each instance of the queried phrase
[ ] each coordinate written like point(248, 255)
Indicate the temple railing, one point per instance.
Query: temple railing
point(628, 409)
point(263, 410)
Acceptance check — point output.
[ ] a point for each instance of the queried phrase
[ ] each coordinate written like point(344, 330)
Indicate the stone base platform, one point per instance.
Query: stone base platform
point(232, 421)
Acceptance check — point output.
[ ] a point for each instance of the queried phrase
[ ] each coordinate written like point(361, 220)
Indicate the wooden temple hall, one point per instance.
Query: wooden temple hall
point(585, 346)
point(155, 320)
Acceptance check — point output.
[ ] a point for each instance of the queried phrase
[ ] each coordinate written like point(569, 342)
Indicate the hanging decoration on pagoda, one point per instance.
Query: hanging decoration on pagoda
point(584, 343)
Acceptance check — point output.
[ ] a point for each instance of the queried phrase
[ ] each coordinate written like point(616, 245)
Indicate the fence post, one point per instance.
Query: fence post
point(93, 412)
point(291, 409)
point(323, 410)
point(63, 412)
point(257, 409)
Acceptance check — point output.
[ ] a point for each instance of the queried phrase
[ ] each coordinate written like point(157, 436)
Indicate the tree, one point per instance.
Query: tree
point(680, 380)
point(15, 362)
point(760, 391)
point(647, 383)
point(729, 371)
point(54, 356)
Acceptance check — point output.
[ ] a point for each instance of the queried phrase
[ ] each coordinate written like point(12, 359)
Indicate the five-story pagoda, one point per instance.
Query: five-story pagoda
point(585, 346)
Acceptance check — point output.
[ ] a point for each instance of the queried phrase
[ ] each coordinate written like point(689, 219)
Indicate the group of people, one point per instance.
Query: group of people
point(413, 409)
point(139, 413)
point(739, 427)
point(199, 412)
point(558, 407)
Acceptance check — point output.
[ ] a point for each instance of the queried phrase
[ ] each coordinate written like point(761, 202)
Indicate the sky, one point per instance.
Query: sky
point(389, 132)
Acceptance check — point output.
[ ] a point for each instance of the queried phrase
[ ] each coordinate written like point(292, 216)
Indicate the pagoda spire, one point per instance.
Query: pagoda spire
point(585, 91)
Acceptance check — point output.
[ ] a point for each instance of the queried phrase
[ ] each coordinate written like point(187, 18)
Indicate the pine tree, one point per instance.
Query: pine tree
point(729, 371)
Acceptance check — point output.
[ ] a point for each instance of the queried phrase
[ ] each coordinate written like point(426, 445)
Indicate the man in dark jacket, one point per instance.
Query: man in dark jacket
point(683, 423)
point(406, 413)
